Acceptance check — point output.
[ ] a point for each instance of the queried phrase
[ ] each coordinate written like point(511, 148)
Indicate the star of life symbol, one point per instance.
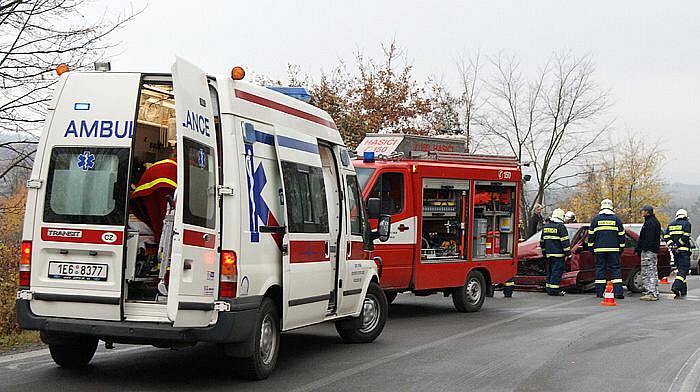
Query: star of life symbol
point(202, 158)
point(86, 160)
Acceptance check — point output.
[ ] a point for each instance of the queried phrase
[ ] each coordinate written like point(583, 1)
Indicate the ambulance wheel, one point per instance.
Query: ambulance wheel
point(74, 353)
point(470, 297)
point(635, 282)
point(266, 343)
point(372, 319)
point(390, 296)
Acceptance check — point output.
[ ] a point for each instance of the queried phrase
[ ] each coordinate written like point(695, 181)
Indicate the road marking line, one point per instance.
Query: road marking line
point(691, 380)
point(23, 356)
point(45, 352)
point(323, 382)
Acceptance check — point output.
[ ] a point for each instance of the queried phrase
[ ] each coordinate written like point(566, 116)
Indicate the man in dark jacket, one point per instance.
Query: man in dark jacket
point(536, 221)
point(648, 249)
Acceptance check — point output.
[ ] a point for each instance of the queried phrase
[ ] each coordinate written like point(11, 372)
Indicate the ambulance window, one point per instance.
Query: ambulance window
point(307, 209)
point(389, 189)
point(200, 185)
point(87, 185)
point(356, 214)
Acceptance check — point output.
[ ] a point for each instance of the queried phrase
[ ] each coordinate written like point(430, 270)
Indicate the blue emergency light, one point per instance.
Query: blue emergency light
point(300, 93)
point(368, 156)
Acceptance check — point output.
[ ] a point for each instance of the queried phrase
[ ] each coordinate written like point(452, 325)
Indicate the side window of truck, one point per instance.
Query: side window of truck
point(389, 189)
point(305, 197)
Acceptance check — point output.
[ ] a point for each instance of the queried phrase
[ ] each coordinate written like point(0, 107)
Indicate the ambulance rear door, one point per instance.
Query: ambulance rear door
point(81, 180)
point(194, 267)
point(307, 277)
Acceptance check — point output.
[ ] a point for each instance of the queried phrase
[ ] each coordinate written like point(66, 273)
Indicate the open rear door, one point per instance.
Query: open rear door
point(306, 271)
point(194, 267)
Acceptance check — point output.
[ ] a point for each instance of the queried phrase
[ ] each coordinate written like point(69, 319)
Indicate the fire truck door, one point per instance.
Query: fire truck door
point(306, 268)
point(194, 262)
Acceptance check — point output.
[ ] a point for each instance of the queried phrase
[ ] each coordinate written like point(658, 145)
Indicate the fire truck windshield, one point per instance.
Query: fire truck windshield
point(363, 175)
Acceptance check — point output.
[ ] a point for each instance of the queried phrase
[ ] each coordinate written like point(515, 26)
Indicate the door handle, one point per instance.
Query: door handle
point(205, 237)
point(325, 249)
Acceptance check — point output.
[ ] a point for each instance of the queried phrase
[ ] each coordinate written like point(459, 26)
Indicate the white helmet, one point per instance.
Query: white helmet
point(570, 216)
point(681, 213)
point(558, 214)
point(606, 204)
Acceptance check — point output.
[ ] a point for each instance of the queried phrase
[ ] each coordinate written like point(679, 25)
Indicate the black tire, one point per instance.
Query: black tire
point(471, 296)
point(390, 296)
point(75, 353)
point(260, 365)
point(369, 325)
point(635, 282)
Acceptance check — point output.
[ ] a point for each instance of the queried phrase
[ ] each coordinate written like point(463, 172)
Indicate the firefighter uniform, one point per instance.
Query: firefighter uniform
point(508, 288)
point(606, 238)
point(555, 248)
point(677, 236)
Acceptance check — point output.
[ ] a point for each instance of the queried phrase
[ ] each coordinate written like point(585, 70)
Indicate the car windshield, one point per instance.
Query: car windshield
point(363, 175)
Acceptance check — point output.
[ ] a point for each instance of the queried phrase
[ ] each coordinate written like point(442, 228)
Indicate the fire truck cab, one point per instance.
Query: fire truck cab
point(453, 216)
point(264, 228)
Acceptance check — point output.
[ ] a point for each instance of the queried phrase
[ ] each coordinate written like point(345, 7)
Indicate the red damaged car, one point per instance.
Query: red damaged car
point(580, 267)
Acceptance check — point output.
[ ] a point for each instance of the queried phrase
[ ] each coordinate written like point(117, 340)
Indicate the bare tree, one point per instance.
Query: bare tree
point(551, 120)
point(471, 100)
point(35, 37)
point(569, 131)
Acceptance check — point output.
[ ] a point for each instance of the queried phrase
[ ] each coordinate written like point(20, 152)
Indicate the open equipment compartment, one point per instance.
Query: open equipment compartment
point(445, 209)
point(494, 208)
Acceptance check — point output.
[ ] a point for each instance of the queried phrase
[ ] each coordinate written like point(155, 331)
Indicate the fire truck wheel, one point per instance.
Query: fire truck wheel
point(74, 353)
point(390, 296)
point(371, 321)
point(470, 297)
point(266, 343)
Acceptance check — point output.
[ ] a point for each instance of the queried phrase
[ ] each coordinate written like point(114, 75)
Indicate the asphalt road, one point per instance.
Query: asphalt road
point(531, 342)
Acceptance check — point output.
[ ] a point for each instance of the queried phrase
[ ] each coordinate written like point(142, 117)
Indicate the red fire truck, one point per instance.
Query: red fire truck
point(453, 216)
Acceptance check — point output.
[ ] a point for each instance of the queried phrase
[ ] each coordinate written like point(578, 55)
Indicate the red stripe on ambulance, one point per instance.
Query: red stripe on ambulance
point(283, 108)
point(198, 238)
point(307, 251)
point(82, 236)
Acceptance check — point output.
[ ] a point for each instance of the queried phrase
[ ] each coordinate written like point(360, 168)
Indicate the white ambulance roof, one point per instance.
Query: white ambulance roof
point(262, 103)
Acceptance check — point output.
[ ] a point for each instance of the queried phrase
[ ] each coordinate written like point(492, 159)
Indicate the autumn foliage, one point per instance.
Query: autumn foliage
point(11, 215)
point(629, 175)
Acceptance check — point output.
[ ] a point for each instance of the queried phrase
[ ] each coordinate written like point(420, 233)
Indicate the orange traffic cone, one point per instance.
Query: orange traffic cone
point(664, 280)
point(608, 296)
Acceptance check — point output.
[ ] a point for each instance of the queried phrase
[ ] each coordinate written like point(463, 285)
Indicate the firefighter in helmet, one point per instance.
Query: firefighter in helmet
point(606, 238)
point(556, 248)
point(570, 217)
point(677, 236)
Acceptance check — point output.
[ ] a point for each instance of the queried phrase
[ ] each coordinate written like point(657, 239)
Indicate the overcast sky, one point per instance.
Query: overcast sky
point(646, 53)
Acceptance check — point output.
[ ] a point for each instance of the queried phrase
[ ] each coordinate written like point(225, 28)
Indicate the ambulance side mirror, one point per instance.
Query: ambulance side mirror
point(373, 207)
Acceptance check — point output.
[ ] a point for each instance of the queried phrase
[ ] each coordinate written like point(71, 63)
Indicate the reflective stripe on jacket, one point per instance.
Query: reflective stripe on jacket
point(555, 240)
point(606, 234)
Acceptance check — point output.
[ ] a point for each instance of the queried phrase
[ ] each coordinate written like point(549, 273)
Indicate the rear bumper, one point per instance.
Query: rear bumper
point(232, 327)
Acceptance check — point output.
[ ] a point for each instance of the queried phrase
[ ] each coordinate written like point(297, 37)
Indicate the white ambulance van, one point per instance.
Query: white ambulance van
point(268, 233)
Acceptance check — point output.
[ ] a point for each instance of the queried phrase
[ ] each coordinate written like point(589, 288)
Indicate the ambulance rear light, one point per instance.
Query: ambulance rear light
point(228, 274)
point(61, 69)
point(25, 264)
